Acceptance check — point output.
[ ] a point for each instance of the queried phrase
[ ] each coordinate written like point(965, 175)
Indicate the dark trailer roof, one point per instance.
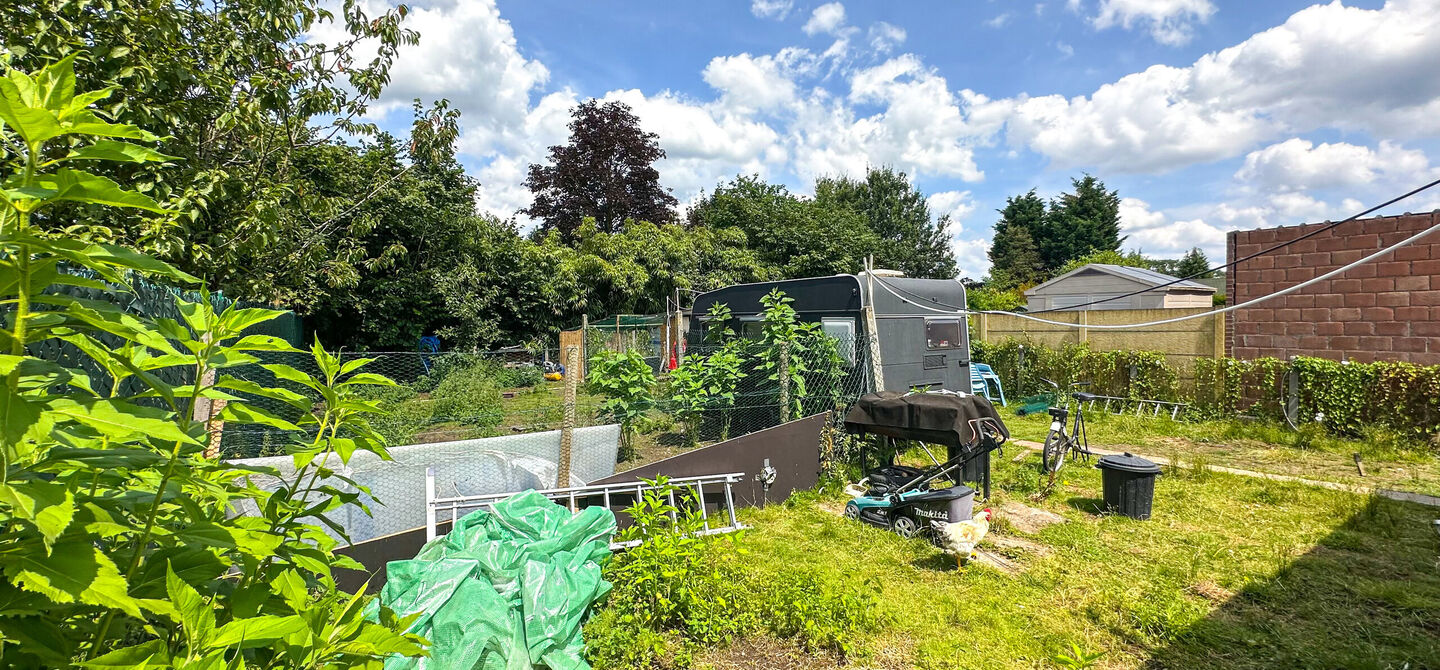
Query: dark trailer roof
point(840, 293)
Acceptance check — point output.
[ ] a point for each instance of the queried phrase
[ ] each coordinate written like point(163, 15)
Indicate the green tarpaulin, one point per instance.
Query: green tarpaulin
point(505, 590)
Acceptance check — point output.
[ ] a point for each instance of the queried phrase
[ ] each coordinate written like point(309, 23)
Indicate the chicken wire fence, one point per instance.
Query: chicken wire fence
point(448, 396)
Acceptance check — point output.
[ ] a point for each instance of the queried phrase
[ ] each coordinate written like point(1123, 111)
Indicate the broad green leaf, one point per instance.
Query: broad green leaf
point(238, 320)
point(55, 84)
point(31, 123)
point(23, 423)
point(248, 414)
point(48, 505)
point(152, 654)
point(290, 374)
point(284, 395)
point(354, 364)
point(118, 152)
point(262, 343)
point(119, 419)
point(368, 379)
point(112, 458)
point(197, 617)
point(75, 571)
point(85, 122)
point(257, 631)
point(77, 186)
point(291, 586)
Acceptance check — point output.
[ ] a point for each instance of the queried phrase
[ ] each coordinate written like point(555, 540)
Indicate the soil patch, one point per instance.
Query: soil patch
point(766, 652)
point(1027, 519)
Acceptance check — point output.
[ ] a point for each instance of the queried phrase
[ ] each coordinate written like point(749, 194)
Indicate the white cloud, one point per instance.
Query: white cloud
point(751, 83)
point(956, 204)
point(1327, 66)
point(972, 256)
point(827, 18)
point(1170, 22)
point(1160, 236)
point(1298, 165)
point(771, 9)
point(999, 20)
point(1065, 50)
point(884, 37)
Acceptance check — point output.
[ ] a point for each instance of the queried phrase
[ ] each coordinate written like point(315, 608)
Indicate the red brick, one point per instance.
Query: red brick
point(1329, 243)
point(1345, 285)
point(1300, 300)
point(1245, 277)
point(1392, 299)
point(1374, 314)
point(1272, 328)
point(1255, 340)
point(1380, 225)
point(1286, 261)
point(1393, 268)
point(1430, 267)
point(1243, 250)
point(1412, 283)
point(1359, 328)
point(1316, 314)
point(1314, 342)
point(1330, 354)
point(1412, 313)
point(1411, 344)
point(1362, 241)
point(1300, 328)
point(1287, 341)
point(1261, 263)
point(1425, 329)
point(1329, 328)
point(1388, 239)
point(1273, 275)
point(1344, 342)
point(1329, 300)
point(1287, 314)
point(1302, 247)
point(1345, 314)
point(1376, 343)
point(1378, 284)
point(1431, 358)
point(1425, 298)
point(1365, 271)
point(1297, 275)
point(1360, 299)
point(1245, 352)
point(1392, 328)
point(1271, 352)
point(1253, 328)
point(1417, 252)
point(1315, 260)
point(1343, 257)
point(1361, 355)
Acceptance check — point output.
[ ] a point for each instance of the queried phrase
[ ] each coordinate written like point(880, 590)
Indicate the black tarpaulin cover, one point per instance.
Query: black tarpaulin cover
point(938, 417)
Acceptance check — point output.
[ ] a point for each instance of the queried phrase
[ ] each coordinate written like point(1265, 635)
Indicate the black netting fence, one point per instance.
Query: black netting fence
point(715, 393)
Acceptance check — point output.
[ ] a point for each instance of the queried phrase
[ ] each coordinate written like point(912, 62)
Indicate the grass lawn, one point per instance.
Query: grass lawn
point(1257, 446)
point(1231, 572)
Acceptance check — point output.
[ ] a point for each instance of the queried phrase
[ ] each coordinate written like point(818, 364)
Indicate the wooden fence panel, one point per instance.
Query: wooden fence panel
point(1181, 342)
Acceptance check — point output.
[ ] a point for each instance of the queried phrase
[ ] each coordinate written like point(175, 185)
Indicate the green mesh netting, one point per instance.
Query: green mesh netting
point(505, 590)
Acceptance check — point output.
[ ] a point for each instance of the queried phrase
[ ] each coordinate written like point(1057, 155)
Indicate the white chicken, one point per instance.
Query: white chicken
point(960, 538)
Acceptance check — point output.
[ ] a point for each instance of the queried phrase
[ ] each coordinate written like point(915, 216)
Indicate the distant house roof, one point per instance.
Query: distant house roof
point(1142, 275)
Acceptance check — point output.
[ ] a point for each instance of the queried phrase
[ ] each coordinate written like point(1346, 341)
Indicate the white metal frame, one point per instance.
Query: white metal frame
point(453, 505)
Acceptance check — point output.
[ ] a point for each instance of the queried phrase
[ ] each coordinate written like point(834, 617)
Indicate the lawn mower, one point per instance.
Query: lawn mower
point(906, 500)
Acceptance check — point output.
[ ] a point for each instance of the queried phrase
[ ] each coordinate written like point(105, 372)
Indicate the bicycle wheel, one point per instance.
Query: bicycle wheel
point(1052, 456)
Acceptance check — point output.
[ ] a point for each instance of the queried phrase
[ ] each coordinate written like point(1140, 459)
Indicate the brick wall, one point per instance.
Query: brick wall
point(1388, 309)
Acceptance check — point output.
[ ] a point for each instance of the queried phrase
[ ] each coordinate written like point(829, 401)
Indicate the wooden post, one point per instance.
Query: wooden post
point(783, 370)
point(1219, 323)
point(584, 347)
point(877, 370)
point(982, 327)
point(678, 341)
point(1083, 319)
point(567, 425)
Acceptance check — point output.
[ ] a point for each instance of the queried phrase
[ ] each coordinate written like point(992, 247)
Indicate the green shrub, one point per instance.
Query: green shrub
point(626, 381)
point(469, 395)
point(523, 376)
point(676, 591)
point(406, 413)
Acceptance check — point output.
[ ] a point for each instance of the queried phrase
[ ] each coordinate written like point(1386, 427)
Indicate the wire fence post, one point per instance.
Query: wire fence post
point(567, 424)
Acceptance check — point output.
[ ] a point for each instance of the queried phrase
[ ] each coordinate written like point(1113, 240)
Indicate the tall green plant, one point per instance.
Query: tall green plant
point(119, 546)
point(626, 381)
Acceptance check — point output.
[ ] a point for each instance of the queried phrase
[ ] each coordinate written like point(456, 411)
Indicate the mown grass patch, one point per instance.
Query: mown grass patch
point(1231, 572)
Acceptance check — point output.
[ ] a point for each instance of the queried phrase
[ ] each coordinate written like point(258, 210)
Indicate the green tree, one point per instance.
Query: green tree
point(1085, 220)
point(605, 173)
point(1194, 264)
point(1133, 259)
point(908, 238)
point(121, 545)
point(791, 237)
point(1015, 258)
point(237, 88)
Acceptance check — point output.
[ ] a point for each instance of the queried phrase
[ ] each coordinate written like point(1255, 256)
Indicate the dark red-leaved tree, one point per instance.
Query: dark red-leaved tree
point(606, 172)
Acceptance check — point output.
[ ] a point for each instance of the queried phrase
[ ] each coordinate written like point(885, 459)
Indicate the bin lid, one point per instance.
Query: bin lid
point(1128, 462)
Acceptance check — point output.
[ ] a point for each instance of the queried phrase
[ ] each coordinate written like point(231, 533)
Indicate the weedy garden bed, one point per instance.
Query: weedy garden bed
point(1231, 572)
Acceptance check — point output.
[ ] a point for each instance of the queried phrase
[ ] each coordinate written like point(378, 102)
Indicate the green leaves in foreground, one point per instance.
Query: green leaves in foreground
point(121, 547)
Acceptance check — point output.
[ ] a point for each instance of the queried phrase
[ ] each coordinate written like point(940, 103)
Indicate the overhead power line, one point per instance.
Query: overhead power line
point(961, 311)
point(1237, 261)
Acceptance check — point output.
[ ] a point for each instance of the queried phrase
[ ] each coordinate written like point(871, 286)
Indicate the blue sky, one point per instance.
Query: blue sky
point(1206, 115)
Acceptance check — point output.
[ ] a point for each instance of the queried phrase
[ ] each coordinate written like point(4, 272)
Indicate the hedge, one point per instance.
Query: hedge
point(1347, 397)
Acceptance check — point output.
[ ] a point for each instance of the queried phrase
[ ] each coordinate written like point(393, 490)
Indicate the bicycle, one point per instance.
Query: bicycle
point(1057, 443)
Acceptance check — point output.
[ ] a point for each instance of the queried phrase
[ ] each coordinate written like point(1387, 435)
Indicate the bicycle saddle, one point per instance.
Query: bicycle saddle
point(1083, 396)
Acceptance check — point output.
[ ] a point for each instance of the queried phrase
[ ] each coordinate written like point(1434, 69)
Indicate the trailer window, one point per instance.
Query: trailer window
point(942, 334)
point(843, 330)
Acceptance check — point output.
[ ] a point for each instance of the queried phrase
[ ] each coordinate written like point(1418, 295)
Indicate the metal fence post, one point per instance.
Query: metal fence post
point(567, 425)
point(429, 504)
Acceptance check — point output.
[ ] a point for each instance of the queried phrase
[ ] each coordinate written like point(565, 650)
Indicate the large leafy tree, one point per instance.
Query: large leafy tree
point(1083, 221)
point(908, 238)
point(1194, 264)
point(1015, 258)
point(791, 237)
point(606, 172)
point(239, 88)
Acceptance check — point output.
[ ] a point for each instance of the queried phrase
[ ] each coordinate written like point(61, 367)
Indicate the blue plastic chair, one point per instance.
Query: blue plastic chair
point(977, 383)
point(429, 344)
point(986, 376)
